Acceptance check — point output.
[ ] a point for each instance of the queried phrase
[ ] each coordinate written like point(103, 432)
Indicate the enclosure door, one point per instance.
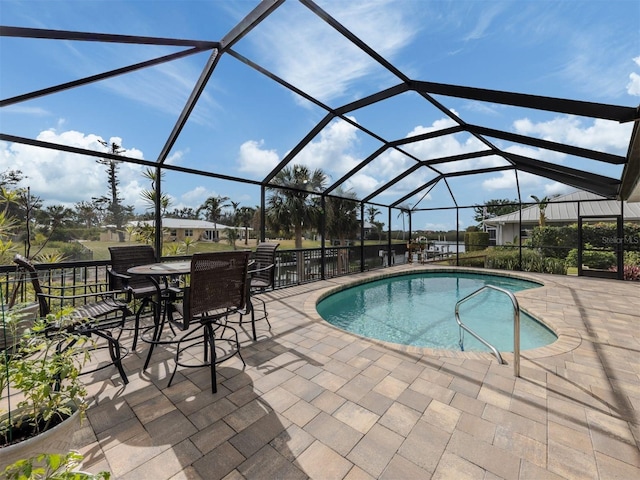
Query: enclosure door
point(600, 246)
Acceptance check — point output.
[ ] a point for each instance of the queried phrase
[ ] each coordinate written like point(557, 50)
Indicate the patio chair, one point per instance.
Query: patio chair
point(89, 318)
point(142, 288)
point(262, 277)
point(217, 289)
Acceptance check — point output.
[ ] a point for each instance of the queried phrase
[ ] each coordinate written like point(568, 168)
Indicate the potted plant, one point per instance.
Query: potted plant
point(41, 395)
point(51, 466)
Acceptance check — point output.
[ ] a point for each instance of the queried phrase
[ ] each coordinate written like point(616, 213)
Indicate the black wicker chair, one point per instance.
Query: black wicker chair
point(262, 278)
point(142, 289)
point(95, 317)
point(218, 288)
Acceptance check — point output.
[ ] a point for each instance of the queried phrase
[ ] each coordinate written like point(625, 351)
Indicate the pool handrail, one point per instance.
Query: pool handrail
point(516, 326)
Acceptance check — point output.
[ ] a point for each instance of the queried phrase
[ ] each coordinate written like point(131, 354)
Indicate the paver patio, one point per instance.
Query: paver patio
point(316, 402)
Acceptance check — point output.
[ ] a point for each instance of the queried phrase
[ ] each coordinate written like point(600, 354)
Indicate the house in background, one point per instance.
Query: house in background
point(179, 229)
point(563, 211)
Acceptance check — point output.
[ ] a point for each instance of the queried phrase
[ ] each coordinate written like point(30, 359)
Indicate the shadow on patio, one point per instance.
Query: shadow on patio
point(316, 402)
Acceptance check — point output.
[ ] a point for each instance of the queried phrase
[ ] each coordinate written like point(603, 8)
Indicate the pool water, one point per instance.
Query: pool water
point(419, 310)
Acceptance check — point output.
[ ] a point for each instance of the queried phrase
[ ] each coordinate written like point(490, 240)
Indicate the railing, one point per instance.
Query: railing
point(68, 278)
point(516, 326)
point(293, 267)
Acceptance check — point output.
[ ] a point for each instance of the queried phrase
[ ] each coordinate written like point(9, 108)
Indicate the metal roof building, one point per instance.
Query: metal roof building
point(562, 210)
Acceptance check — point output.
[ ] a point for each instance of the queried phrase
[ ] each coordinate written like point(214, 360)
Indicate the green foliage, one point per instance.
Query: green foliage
point(172, 249)
point(295, 205)
point(632, 258)
point(532, 261)
point(51, 466)
point(75, 251)
point(477, 262)
point(475, 241)
point(554, 242)
point(342, 216)
point(42, 367)
point(601, 259)
point(558, 241)
point(495, 208)
point(50, 257)
point(189, 243)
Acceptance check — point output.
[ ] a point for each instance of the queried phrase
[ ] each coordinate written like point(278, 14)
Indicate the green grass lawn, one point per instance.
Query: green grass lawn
point(101, 249)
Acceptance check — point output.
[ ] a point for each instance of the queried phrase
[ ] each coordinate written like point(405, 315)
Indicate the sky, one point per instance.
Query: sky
point(245, 123)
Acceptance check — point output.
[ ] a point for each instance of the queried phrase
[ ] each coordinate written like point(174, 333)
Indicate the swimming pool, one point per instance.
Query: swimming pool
point(419, 310)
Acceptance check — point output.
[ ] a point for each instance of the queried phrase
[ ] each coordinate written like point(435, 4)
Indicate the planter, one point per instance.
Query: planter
point(59, 439)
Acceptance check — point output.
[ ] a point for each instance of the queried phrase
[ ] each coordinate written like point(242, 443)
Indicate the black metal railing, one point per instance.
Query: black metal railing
point(293, 267)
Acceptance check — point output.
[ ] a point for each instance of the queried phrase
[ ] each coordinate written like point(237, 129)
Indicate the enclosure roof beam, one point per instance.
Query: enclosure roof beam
point(536, 102)
point(548, 145)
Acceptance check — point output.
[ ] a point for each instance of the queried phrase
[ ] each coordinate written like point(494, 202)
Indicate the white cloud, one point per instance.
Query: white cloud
point(196, 196)
point(602, 135)
point(175, 158)
point(507, 180)
point(333, 151)
point(633, 87)
point(361, 182)
point(66, 178)
point(303, 50)
point(556, 188)
point(165, 87)
point(253, 159)
point(484, 20)
point(24, 110)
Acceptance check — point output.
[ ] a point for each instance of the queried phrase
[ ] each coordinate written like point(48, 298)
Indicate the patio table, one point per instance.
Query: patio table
point(163, 272)
point(157, 273)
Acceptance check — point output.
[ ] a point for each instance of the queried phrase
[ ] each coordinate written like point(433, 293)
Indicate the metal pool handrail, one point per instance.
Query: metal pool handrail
point(516, 326)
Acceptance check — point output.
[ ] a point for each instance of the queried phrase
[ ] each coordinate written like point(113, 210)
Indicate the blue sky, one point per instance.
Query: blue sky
point(245, 123)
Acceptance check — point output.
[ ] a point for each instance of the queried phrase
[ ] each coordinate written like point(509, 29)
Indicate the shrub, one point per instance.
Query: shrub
point(593, 258)
point(532, 261)
point(475, 241)
point(51, 466)
point(632, 272)
point(632, 258)
point(75, 251)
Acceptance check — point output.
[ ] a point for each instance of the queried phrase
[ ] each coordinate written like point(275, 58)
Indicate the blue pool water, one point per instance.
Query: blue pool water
point(419, 310)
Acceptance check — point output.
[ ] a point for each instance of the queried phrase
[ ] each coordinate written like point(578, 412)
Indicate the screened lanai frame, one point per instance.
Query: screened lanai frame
point(434, 94)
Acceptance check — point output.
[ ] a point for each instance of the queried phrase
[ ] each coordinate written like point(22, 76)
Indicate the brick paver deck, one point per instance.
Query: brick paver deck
point(316, 402)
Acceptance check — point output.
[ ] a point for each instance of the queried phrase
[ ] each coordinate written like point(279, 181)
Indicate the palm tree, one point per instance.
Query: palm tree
point(404, 209)
point(149, 196)
point(342, 222)
point(295, 207)
point(372, 213)
point(542, 205)
point(187, 243)
point(245, 217)
point(212, 207)
point(342, 218)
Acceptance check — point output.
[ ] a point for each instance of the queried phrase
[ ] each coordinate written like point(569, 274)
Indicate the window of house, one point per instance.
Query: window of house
point(492, 236)
point(188, 232)
point(173, 233)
